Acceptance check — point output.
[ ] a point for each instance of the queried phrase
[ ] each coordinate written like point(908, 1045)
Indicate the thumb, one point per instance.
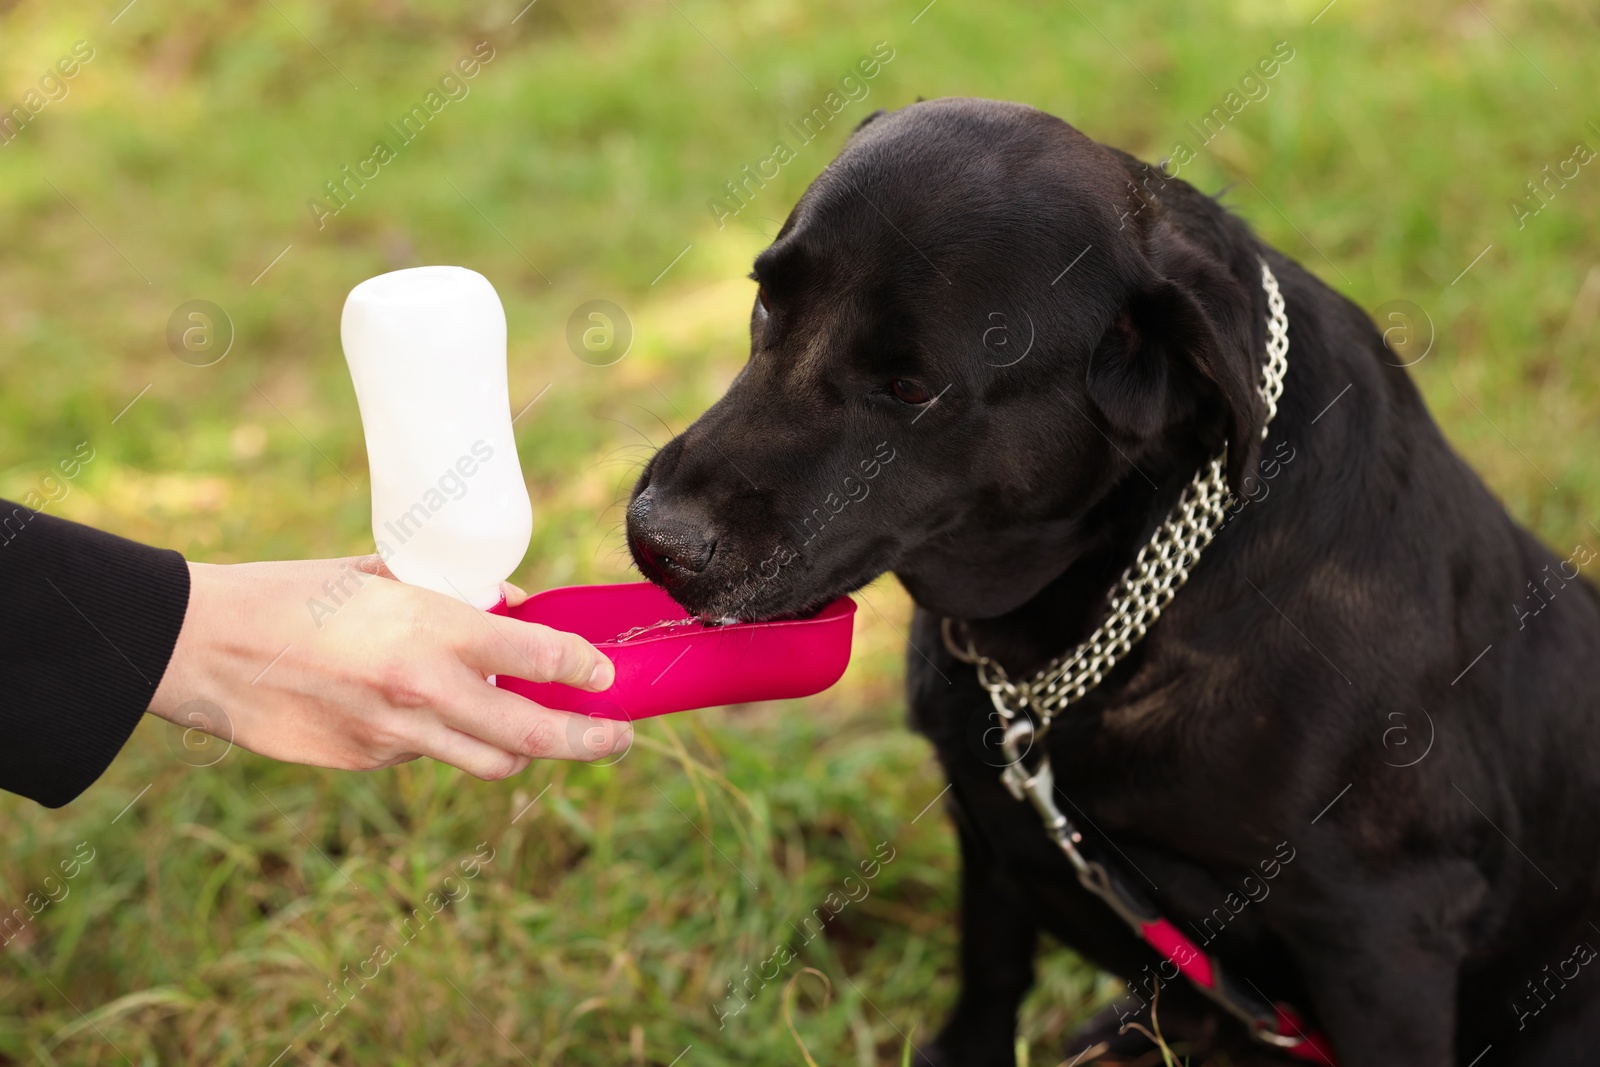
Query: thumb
point(372, 564)
point(537, 653)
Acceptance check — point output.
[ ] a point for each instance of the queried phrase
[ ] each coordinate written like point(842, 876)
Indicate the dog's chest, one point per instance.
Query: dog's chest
point(1140, 812)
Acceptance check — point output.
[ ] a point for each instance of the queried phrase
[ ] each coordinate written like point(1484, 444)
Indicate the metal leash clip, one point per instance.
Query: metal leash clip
point(1038, 787)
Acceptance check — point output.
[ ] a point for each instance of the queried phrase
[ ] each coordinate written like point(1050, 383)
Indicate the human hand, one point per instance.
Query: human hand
point(333, 663)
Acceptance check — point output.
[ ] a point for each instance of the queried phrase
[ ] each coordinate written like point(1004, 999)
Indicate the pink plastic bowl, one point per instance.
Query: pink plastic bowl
point(694, 666)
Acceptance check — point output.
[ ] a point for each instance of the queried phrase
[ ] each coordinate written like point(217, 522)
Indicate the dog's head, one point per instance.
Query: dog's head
point(975, 326)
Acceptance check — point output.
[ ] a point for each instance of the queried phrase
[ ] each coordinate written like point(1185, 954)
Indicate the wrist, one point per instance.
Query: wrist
point(180, 682)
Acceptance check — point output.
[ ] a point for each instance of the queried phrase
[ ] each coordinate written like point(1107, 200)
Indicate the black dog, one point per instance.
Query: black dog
point(987, 354)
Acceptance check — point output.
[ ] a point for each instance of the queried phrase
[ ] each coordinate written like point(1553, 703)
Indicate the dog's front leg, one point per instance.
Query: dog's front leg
point(998, 939)
point(1388, 1008)
point(1382, 965)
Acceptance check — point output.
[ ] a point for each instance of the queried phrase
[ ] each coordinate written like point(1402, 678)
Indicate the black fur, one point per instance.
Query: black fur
point(1369, 570)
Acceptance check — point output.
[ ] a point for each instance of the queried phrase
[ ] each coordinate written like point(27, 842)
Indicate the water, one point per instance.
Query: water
point(667, 626)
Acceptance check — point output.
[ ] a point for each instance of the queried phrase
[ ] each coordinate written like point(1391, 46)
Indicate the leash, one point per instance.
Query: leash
point(1028, 706)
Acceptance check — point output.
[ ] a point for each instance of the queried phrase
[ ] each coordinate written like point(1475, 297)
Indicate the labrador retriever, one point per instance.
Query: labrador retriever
point(1351, 759)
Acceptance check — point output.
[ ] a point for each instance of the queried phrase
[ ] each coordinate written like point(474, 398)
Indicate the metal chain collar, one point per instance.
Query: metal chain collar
point(1151, 580)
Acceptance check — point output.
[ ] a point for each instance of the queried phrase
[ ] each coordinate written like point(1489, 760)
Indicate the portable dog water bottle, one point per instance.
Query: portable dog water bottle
point(427, 352)
point(450, 512)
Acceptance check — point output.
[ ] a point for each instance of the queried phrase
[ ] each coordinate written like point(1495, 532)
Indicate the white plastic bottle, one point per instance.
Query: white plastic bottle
point(427, 352)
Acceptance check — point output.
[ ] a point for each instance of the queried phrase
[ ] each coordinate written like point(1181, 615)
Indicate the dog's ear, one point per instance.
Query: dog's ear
point(1190, 313)
point(874, 117)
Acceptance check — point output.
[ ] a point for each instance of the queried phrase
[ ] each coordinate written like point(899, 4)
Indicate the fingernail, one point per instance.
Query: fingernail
point(602, 676)
point(624, 740)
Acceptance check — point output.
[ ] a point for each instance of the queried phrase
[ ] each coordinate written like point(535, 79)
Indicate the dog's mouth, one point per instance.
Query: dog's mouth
point(721, 579)
point(740, 594)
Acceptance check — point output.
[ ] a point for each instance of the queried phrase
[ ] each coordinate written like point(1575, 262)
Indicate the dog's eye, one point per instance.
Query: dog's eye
point(909, 392)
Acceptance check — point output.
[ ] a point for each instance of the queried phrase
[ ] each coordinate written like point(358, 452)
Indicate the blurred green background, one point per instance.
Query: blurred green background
point(224, 902)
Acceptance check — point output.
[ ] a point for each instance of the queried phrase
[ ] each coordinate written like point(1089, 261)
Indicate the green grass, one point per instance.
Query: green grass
point(220, 905)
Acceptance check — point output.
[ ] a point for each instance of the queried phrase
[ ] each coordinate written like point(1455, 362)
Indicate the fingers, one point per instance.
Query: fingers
point(537, 653)
point(514, 595)
point(437, 740)
point(516, 725)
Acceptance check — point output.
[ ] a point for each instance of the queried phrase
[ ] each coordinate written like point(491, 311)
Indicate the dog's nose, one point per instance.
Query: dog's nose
point(671, 538)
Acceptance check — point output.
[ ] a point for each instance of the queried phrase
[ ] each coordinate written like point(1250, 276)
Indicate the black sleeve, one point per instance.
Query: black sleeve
point(87, 624)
